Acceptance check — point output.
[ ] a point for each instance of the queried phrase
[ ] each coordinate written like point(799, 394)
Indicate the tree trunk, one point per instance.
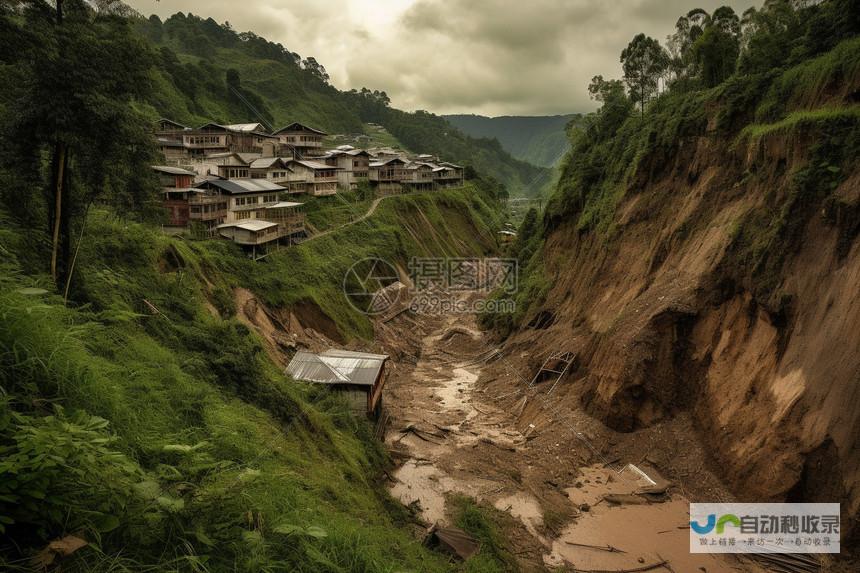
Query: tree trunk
point(59, 179)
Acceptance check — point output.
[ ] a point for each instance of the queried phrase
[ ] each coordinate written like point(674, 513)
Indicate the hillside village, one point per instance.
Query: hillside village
point(239, 181)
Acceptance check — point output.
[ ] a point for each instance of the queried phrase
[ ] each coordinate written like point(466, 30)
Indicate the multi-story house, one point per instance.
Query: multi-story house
point(387, 175)
point(168, 139)
point(354, 165)
point(419, 177)
point(448, 175)
point(255, 216)
point(305, 142)
point(246, 198)
point(240, 137)
point(271, 168)
point(313, 177)
point(176, 185)
point(188, 206)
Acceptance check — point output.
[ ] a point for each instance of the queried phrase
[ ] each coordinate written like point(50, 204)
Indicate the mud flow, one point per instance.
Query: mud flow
point(456, 428)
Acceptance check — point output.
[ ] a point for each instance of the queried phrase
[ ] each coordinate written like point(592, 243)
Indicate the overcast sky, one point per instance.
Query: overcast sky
point(492, 57)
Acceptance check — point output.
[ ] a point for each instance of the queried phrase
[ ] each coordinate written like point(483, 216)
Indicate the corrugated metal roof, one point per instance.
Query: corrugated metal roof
point(315, 164)
point(337, 367)
point(296, 126)
point(246, 127)
point(172, 170)
point(252, 225)
point(266, 162)
point(283, 204)
point(353, 354)
point(237, 186)
point(309, 367)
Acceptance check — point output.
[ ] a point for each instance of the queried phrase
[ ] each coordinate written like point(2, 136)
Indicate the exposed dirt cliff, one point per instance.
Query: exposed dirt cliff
point(728, 289)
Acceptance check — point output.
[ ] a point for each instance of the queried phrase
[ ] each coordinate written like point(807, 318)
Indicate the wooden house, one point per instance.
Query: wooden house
point(304, 141)
point(176, 187)
point(313, 177)
point(448, 175)
point(216, 138)
point(353, 164)
point(255, 216)
point(168, 139)
point(419, 177)
point(358, 376)
point(387, 175)
point(246, 198)
point(270, 168)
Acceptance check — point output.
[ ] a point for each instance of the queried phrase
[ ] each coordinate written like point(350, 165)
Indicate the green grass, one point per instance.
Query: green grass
point(821, 117)
point(485, 524)
point(335, 210)
point(377, 136)
point(210, 459)
point(452, 222)
point(818, 82)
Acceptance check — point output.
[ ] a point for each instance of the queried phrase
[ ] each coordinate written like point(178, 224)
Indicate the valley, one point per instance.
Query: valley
point(258, 317)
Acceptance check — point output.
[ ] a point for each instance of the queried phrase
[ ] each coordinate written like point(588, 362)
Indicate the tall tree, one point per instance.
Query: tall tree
point(644, 61)
point(83, 73)
point(716, 51)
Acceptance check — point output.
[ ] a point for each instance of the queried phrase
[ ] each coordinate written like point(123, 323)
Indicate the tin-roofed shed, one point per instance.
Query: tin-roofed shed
point(360, 376)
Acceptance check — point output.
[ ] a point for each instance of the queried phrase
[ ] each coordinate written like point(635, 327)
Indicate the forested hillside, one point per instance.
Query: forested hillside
point(143, 425)
point(700, 252)
point(205, 71)
point(541, 140)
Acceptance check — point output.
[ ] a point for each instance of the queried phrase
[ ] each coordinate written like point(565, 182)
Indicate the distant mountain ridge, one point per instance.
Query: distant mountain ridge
point(540, 140)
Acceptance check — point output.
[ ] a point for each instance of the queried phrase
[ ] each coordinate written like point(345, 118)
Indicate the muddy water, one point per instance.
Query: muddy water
point(642, 532)
point(437, 419)
point(453, 442)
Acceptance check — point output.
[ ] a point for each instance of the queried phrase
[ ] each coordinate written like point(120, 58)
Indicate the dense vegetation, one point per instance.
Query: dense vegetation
point(785, 67)
point(541, 140)
point(205, 71)
point(143, 427)
point(143, 417)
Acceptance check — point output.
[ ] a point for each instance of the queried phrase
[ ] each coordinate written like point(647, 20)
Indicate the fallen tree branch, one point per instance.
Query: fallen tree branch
point(607, 547)
point(634, 570)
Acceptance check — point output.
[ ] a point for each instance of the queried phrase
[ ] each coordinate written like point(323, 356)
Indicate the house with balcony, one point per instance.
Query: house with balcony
point(271, 168)
point(246, 198)
point(387, 175)
point(353, 164)
point(180, 143)
point(255, 216)
point(448, 175)
point(239, 137)
point(312, 177)
point(419, 177)
point(188, 207)
point(305, 142)
point(168, 139)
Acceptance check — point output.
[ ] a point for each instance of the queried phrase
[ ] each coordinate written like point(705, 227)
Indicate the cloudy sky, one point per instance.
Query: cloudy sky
point(493, 57)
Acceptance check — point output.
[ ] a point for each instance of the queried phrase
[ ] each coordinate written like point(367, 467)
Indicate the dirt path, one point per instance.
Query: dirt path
point(454, 438)
point(370, 211)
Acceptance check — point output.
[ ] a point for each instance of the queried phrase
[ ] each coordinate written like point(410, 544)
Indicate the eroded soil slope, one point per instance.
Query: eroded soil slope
point(671, 318)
